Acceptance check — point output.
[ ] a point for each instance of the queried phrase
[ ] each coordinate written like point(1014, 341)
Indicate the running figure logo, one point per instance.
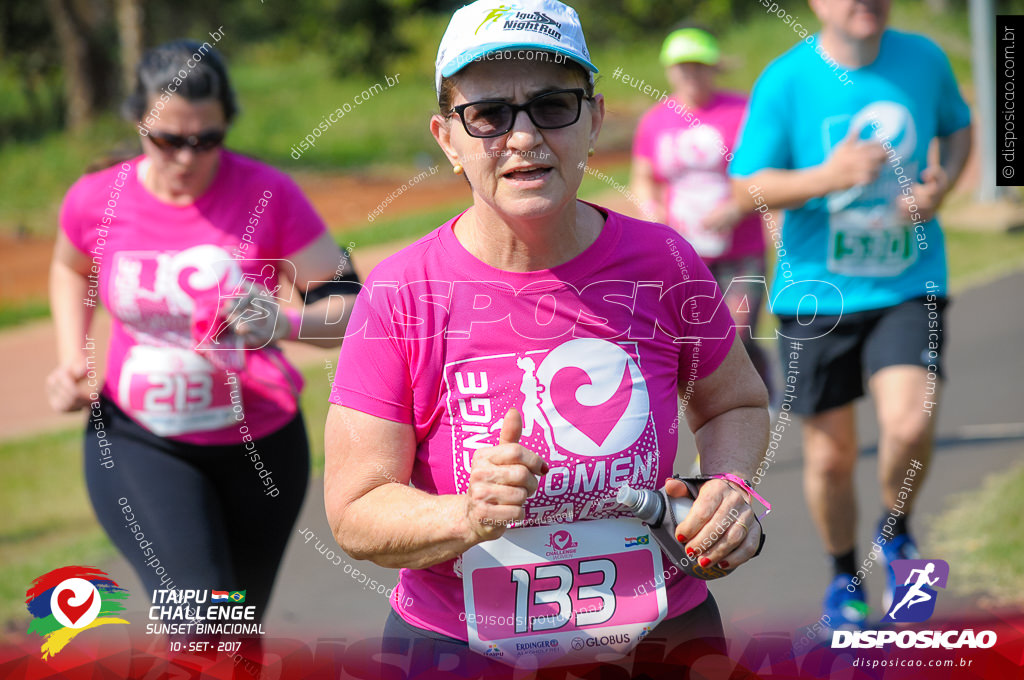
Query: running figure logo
point(494, 15)
point(531, 410)
point(914, 601)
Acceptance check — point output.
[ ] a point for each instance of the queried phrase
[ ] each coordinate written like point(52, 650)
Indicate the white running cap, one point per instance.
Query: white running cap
point(489, 26)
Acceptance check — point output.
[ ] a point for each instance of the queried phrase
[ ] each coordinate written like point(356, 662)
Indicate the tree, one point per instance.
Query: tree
point(82, 36)
point(129, 33)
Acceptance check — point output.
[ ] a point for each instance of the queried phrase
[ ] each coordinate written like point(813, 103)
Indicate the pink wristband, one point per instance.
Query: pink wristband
point(740, 482)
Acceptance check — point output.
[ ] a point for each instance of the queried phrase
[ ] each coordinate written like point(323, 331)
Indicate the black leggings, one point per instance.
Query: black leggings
point(669, 651)
point(204, 519)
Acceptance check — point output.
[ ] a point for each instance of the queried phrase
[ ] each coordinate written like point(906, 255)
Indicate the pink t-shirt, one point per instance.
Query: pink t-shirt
point(152, 262)
point(690, 150)
point(585, 351)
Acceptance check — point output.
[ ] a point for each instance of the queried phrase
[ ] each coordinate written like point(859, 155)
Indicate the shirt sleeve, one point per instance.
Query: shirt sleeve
point(643, 140)
point(373, 369)
point(764, 140)
point(71, 219)
point(298, 223)
point(953, 114)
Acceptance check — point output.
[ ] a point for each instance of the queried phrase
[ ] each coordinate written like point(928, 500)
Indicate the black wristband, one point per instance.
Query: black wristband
point(346, 284)
point(760, 543)
point(693, 485)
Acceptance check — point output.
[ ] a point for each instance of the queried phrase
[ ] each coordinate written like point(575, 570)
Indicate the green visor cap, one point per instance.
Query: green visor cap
point(689, 45)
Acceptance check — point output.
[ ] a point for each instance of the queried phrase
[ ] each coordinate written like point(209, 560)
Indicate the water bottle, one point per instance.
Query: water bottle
point(662, 514)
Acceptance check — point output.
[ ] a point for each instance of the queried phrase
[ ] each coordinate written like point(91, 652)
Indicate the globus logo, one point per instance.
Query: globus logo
point(602, 640)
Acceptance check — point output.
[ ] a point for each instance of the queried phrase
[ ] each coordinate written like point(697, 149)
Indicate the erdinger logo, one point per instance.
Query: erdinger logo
point(69, 600)
point(914, 601)
point(561, 544)
point(537, 647)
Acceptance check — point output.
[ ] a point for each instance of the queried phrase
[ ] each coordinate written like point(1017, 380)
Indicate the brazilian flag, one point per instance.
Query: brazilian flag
point(237, 596)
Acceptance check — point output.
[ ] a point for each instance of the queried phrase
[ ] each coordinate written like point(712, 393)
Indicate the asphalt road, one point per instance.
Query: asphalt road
point(980, 433)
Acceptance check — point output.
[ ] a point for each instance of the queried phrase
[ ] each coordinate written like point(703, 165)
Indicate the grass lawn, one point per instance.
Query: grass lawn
point(983, 533)
point(48, 521)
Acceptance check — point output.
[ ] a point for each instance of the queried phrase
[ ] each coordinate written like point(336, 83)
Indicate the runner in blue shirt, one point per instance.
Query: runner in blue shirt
point(836, 146)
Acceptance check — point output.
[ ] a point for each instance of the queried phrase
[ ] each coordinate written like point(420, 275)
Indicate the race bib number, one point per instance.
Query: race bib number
point(174, 391)
point(866, 242)
point(562, 594)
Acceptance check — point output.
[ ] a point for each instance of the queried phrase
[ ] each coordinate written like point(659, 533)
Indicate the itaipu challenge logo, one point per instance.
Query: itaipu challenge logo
point(66, 601)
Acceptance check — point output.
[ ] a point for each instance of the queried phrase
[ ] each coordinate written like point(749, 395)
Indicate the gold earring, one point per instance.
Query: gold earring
point(457, 168)
point(591, 151)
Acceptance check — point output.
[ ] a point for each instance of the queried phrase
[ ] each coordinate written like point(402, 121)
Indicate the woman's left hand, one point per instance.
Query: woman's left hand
point(721, 527)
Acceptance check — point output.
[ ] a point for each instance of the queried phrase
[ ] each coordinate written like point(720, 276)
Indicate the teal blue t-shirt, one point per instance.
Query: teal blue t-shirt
point(853, 250)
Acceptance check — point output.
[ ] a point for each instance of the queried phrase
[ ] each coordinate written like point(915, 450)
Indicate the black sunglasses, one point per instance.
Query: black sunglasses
point(204, 141)
point(548, 111)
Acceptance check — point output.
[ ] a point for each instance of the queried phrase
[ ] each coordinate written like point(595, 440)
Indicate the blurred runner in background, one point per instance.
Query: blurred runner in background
point(196, 455)
point(681, 153)
point(838, 136)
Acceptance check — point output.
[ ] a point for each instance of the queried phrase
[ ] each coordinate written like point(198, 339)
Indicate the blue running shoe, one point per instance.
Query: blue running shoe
point(845, 610)
point(900, 547)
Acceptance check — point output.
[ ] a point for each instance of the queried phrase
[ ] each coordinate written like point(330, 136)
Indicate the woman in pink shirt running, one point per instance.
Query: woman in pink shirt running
point(508, 535)
point(196, 456)
point(681, 154)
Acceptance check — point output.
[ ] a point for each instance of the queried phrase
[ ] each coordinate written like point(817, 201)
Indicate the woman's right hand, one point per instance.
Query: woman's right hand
point(64, 388)
point(501, 479)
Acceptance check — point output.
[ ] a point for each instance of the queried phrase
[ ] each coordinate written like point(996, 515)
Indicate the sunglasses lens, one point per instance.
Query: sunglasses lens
point(487, 119)
point(202, 142)
point(209, 140)
point(548, 111)
point(167, 142)
point(555, 110)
